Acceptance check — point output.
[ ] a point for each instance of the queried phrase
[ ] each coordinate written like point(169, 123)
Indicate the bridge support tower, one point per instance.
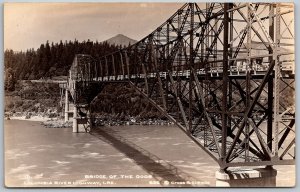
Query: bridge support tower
point(75, 124)
point(82, 120)
point(66, 105)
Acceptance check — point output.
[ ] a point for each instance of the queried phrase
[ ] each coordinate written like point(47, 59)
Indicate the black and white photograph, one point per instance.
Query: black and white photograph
point(149, 94)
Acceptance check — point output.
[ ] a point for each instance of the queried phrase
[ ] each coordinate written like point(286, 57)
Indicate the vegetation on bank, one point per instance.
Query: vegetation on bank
point(33, 99)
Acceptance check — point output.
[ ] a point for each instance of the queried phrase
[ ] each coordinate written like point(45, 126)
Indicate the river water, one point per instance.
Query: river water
point(116, 156)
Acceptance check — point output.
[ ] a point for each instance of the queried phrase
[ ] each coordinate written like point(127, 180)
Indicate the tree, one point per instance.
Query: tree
point(10, 80)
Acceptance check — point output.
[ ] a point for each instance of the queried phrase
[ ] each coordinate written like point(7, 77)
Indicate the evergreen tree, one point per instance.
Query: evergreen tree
point(51, 59)
point(10, 79)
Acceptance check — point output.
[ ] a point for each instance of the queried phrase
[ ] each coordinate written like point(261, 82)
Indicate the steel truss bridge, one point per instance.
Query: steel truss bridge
point(222, 72)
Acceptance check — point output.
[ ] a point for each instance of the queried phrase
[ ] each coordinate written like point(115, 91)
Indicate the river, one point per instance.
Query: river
point(115, 156)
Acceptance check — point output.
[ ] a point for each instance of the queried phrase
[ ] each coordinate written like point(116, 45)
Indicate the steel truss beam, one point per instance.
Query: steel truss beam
point(201, 69)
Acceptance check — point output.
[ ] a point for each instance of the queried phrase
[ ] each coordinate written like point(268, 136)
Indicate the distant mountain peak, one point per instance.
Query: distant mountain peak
point(121, 39)
point(121, 35)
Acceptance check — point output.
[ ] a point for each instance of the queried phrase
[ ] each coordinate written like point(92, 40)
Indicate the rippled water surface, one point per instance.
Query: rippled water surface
point(128, 156)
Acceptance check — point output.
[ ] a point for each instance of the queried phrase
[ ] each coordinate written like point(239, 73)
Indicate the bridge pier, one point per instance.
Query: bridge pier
point(66, 106)
point(75, 124)
point(247, 177)
point(82, 120)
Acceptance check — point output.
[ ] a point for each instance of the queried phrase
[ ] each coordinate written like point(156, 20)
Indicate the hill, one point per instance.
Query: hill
point(120, 40)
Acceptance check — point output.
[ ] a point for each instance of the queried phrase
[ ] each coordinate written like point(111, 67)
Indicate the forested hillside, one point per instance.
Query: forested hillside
point(51, 59)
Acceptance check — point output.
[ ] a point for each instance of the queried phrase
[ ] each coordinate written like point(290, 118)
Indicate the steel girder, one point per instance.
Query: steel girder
point(219, 72)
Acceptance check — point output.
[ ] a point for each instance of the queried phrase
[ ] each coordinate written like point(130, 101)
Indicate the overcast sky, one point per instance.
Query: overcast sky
point(27, 25)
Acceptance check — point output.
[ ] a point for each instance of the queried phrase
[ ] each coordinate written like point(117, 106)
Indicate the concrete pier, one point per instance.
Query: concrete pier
point(243, 177)
point(75, 125)
point(66, 106)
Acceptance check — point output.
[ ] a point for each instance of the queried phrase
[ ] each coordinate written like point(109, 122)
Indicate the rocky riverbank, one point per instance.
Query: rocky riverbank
point(108, 121)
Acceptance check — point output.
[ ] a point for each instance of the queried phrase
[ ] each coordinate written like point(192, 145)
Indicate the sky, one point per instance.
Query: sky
point(27, 25)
